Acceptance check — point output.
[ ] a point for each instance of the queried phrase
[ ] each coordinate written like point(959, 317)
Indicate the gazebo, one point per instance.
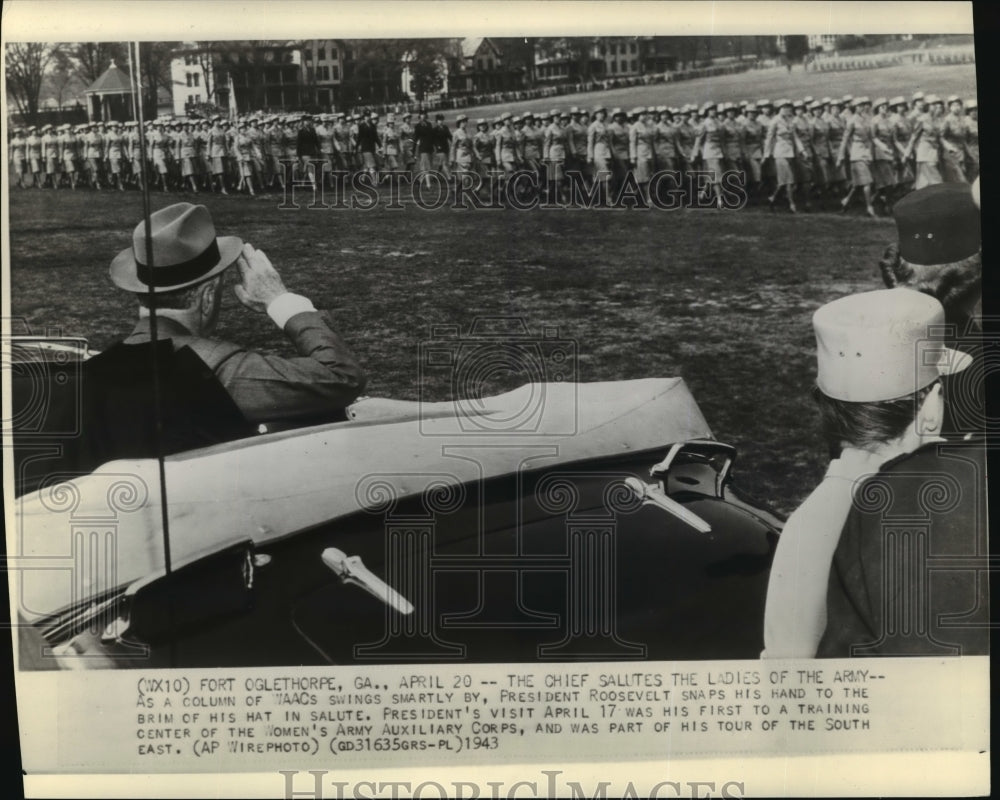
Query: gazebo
point(111, 96)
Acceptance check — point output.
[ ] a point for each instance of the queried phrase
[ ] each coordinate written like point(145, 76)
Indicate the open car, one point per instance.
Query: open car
point(556, 522)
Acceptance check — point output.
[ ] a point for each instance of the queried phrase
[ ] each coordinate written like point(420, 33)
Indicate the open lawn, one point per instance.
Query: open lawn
point(723, 299)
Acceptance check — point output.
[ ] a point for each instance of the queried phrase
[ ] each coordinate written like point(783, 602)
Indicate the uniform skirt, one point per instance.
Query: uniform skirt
point(952, 170)
point(246, 168)
point(754, 170)
point(602, 168)
point(883, 174)
point(217, 166)
point(187, 166)
point(116, 165)
point(557, 170)
point(713, 167)
point(927, 174)
point(804, 168)
point(424, 162)
point(821, 170)
point(368, 158)
point(666, 163)
point(643, 169)
point(861, 173)
point(51, 164)
point(784, 172)
point(69, 164)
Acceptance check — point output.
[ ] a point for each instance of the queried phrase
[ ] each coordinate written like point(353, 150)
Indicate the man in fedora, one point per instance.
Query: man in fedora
point(211, 390)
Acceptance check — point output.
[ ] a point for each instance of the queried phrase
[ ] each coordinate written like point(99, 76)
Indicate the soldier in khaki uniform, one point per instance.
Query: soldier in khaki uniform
point(857, 144)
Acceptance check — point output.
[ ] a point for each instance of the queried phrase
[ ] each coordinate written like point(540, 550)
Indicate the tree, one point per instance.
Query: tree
point(796, 47)
point(426, 59)
point(89, 60)
point(25, 67)
point(154, 72)
point(61, 77)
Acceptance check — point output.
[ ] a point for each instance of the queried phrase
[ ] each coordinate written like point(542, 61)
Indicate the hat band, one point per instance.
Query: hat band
point(179, 273)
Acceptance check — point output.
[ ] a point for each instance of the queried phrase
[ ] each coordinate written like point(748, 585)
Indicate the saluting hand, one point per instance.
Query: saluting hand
point(260, 282)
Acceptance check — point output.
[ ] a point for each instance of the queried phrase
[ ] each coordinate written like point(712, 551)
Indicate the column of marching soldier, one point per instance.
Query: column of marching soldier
point(828, 151)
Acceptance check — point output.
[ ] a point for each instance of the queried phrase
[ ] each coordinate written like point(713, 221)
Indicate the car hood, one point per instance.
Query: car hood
point(97, 532)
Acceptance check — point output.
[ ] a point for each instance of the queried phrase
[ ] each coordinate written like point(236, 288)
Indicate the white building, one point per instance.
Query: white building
point(189, 80)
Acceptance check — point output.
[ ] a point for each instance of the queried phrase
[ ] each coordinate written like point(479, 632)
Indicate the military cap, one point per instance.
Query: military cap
point(938, 224)
point(555, 112)
point(877, 346)
point(933, 98)
point(661, 109)
point(954, 98)
point(918, 95)
point(898, 100)
point(970, 104)
point(797, 104)
point(880, 101)
point(564, 115)
point(815, 105)
point(506, 115)
point(785, 102)
point(575, 110)
point(847, 98)
point(616, 112)
point(765, 103)
point(598, 109)
point(751, 108)
point(807, 99)
point(480, 121)
point(639, 110)
point(461, 118)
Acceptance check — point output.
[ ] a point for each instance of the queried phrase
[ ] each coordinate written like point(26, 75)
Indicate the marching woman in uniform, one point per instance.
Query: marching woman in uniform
point(618, 141)
point(555, 151)
point(392, 145)
point(752, 134)
point(484, 144)
point(686, 133)
point(461, 152)
point(599, 153)
point(185, 155)
point(641, 138)
point(925, 141)
point(506, 146)
point(902, 129)
point(822, 159)
point(884, 174)
point(244, 152)
point(708, 146)
point(33, 145)
point(857, 144)
point(953, 135)
point(50, 148)
point(972, 139)
point(113, 145)
point(804, 157)
point(783, 145)
point(67, 153)
point(18, 157)
point(837, 175)
point(135, 154)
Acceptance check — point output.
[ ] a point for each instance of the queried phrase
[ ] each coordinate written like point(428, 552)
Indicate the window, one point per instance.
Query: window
point(335, 71)
point(635, 65)
point(307, 55)
point(333, 53)
point(624, 66)
point(189, 60)
point(482, 65)
point(197, 79)
point(324, 73)
point(187, 75)
point(604, 50)
point(309, 74)
point(490, 62)
point(321, 54)
point(197, 98)
point(190, 99)
point(633, 48)
point(614, 66)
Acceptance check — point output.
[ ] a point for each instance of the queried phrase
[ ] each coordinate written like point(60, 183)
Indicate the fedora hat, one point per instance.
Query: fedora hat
point(186, 251)
point(882, 345)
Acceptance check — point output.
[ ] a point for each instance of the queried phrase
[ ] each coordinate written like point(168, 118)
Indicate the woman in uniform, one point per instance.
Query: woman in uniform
point(783, 145)
point(925, 142)
point(599, 153)
point(857, 144)
point(953, 135)
point(884, 173)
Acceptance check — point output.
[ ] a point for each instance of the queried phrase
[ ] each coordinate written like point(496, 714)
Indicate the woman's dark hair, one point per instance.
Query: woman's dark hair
point(956, 285)
point(865, 424)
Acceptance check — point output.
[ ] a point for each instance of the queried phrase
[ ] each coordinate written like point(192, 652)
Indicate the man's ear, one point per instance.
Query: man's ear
point(206, 297)
point(930, 416)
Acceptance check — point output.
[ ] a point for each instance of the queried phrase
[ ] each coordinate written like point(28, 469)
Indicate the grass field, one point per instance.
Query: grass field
point(723, 299)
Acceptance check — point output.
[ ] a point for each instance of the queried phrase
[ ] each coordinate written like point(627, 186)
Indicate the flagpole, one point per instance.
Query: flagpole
point(153, 331)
